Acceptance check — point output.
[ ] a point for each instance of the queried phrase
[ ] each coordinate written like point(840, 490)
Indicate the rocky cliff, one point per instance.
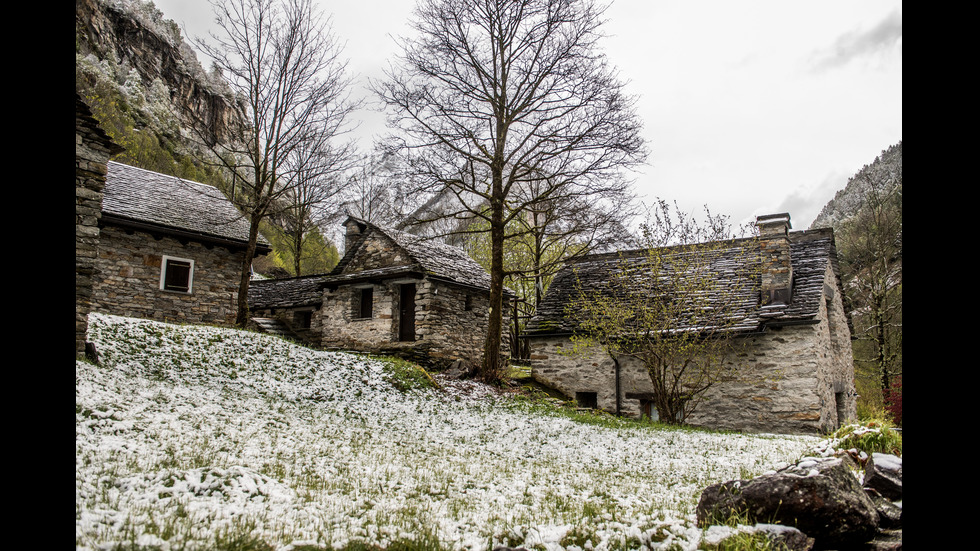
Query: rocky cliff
point(848, 201)
point(130, 43)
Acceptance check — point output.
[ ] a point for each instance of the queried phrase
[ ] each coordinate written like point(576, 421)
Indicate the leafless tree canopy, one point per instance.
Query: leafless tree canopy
point(508, 103)
point(291, 93)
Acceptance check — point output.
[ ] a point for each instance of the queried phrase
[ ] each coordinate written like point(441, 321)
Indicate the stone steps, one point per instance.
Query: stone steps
point(275, 327)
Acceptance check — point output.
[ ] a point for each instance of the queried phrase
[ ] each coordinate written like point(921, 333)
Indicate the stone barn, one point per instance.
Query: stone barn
point(392, 293)
point(795, 364)
point(169, 249)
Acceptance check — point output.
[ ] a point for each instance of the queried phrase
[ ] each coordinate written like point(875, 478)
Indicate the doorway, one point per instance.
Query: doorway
point(406, 312)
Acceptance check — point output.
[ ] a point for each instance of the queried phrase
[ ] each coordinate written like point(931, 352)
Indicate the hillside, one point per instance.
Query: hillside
point(184, 440)
point(848, 201)
point(867, 220)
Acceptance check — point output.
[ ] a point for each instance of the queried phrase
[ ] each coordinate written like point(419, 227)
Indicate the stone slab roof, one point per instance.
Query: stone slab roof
point(734, 265)
point(158, 202)
point(430, 256)
point(295, 292)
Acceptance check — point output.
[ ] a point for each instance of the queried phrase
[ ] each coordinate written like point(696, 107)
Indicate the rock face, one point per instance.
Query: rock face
point(848, 201)
point(823, 498)
point(138, 37)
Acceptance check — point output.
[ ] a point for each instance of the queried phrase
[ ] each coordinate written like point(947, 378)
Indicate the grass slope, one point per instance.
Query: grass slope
point(206, 438)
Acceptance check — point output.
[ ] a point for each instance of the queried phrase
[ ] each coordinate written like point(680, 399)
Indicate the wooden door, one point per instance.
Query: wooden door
point(406, 312)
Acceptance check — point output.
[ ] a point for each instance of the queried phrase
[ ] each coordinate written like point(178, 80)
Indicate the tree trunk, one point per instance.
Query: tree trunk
point(241, 318)
point(297, 256)
point(491, 370)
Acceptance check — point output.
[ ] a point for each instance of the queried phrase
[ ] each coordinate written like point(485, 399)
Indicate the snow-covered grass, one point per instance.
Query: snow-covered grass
point(207, 438)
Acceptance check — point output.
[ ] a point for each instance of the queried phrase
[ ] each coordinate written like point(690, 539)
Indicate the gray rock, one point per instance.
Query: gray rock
point(883, 473)
point(786, 537)
point(821, 497)
point(889, 514)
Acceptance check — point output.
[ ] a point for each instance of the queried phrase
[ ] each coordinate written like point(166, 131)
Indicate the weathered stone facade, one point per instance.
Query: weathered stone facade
point(444, 329)
point(793, 379)
point(392, 293)
point(93, 147)
point(793, 371)
point(169, 249)
point(128, 283)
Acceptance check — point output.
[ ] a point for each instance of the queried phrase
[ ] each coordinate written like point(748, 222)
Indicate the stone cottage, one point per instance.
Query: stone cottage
point(169, 249)
point(392, 293)
point(795, 363)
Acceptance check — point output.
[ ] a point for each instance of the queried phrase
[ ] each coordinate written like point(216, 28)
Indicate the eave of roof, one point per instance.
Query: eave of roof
point(372, 276)
point(180, 234)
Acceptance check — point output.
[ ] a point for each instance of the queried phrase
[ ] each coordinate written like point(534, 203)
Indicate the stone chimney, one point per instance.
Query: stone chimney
point(777, 270)
point(354, 230)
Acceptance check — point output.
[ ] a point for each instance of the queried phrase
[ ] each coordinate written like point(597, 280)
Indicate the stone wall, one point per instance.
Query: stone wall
point(790, 379)
point(377, 251)
point(92, 151)
point(128, 280)
point(445, 330)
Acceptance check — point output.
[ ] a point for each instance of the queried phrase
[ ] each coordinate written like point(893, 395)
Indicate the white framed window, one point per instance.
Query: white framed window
point(177, 274)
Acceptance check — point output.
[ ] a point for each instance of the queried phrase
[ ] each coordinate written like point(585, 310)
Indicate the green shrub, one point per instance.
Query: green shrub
point(745, 541)
point(405, 375)
point(870, 437)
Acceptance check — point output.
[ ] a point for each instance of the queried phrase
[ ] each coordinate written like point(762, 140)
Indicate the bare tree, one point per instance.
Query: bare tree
point(871, 259)
point(290, 87)
point(495, 97)
point(319, 170)
point(675, 306)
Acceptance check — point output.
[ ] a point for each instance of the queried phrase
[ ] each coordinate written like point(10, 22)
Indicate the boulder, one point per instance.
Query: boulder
point(883, 472)
point(889, 514)
point(821, 497)
point(786, 537)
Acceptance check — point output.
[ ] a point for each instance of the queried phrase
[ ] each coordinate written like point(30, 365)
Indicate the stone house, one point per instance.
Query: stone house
point(93, 147)
point(795, 365)
point(392, 293)
point(169, 249)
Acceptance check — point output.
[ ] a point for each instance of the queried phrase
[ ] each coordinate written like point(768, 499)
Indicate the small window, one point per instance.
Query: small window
point(177, 274)
point(648, 410)
point(589, 400)
point(468, 303)
point(303, 319)
point(365, 303)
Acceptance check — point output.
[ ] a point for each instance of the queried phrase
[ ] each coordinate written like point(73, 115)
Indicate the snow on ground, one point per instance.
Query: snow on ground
point(188, 437)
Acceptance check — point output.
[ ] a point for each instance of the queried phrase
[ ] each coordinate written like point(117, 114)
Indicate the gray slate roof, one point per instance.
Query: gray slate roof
point(734, 265)
point(430, 256)
point(158, 202)
point(295, 292)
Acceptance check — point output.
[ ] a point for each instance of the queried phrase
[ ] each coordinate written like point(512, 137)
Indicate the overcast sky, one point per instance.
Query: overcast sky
point(750, 107)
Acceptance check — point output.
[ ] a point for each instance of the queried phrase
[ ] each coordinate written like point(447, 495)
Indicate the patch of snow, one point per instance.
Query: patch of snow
point(209, 430)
